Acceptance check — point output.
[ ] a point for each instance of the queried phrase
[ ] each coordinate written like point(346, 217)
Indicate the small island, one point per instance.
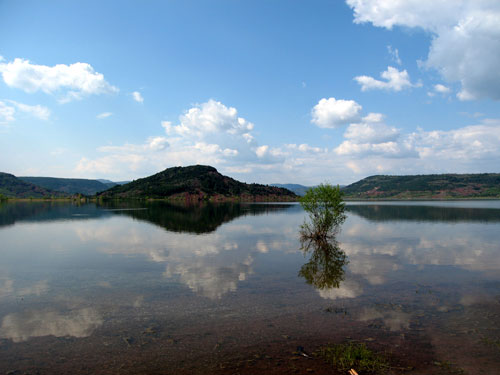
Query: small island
point(196, 183)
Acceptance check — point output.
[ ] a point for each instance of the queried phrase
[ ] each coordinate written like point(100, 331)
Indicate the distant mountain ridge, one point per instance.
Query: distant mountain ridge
point(69, 185)
point(110, 183)
point(204, 182)
point(434, 186)
point(13, 187)
point(296, 188)
point(197, 182)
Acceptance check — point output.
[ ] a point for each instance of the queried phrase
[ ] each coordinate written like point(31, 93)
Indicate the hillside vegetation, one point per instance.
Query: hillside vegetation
point(13, 187)
point(69, 185)
point(196, 182)
point(436, 186)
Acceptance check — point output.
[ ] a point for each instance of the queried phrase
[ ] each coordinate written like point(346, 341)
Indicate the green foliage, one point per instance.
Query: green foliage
point(354, 356)
point(2, 197)
point(325, 206)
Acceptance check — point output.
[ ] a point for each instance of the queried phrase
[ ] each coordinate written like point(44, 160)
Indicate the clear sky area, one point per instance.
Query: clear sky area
point(268, 91)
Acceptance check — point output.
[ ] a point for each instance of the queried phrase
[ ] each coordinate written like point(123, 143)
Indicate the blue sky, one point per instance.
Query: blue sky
point(265, 91)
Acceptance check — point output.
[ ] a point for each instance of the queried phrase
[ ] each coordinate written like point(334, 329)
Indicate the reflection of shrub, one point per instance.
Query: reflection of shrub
point(325, 269)
point(325, 207)
point(354, 356)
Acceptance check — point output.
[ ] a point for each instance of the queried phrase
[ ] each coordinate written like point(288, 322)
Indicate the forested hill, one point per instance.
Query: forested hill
point(197, 182)
point(435, 186)
point(13, 187)
point(69, 185)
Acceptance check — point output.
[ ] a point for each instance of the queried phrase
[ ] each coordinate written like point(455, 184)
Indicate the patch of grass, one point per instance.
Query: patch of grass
point(354, 356)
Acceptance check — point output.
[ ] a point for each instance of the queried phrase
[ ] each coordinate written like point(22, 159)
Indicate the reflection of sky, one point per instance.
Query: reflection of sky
point(393, 320)
point(8, 289)
point(22, 326)
point(210, 264)
point(76, 278)
point(347, 289)
point(216, 263)
point(375, 250)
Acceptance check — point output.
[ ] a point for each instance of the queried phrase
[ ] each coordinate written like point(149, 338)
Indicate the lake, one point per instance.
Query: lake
point(155, 288)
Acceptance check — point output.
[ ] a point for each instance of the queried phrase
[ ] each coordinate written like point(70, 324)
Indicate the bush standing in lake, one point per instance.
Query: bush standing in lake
point(326, 210)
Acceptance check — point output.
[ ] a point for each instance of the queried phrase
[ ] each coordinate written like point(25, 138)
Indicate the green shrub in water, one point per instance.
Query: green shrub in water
point(326, 209)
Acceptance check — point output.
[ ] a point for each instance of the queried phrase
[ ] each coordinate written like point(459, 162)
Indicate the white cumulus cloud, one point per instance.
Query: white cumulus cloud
point(214, 134)
point(394, 80)
point(439, 89)
point(211, 117)
point(371, 129)
point(394, 53)
point(38, 111)
point(467, 144)
point(332, 113)
point(465, 45)
point(442, 89)
point(209, 133)
point(9, 108)
point(71, 81)
point(137, 97)
point(6, 113)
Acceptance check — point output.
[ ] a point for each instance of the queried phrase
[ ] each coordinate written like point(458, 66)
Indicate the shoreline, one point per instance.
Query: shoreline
point(239, 200)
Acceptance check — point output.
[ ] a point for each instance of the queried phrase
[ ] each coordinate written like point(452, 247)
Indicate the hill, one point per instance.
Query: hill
point(69, 185)
point(13, 187)
point(197, 182)
point(296, 188)
point(110, 183)
point(435, 186)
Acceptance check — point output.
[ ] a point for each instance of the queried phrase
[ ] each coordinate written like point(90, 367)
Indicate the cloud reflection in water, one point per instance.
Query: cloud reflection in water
point(23, 326)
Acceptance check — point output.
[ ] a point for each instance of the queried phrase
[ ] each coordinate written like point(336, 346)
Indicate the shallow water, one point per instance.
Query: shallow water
point(155, 288)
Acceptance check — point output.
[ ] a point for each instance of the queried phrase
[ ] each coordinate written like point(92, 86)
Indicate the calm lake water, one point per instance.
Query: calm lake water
point(153, 288)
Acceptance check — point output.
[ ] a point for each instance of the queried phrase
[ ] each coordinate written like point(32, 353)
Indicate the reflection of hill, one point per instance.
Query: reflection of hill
point(198, 218)
point(13, 212)
point(424, 213)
